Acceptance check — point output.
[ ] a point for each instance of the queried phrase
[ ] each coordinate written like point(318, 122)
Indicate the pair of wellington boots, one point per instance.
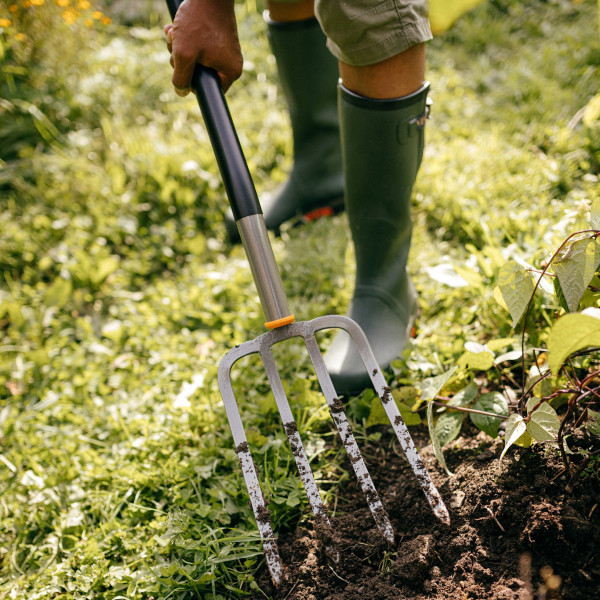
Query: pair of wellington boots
point(364, 153)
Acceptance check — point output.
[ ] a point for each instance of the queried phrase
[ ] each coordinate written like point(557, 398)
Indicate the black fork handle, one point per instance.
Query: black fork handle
point(241, 193)
point(226, 145)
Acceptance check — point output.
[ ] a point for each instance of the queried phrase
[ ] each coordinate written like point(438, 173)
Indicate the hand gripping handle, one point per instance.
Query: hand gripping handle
point(240, 191)
point(223, 137)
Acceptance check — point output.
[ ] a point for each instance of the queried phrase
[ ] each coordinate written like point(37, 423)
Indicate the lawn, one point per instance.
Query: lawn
point(120, 291)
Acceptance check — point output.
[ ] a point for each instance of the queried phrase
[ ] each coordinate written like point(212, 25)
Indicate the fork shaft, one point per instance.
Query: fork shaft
point(255, 240)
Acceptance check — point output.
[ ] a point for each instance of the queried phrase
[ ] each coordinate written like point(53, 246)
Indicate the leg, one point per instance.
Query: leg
point(382, 106)
point(291, 11)
point(394, 77)
point(308, 75)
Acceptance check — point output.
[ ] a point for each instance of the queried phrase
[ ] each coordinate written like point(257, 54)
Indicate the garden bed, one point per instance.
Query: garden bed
point(515, 533)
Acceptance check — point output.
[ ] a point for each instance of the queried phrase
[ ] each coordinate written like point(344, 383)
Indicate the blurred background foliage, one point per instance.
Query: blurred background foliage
point(119, 291)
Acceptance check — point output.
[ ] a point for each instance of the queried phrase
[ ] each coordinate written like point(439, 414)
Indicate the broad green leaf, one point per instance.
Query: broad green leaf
point(593, 426)
point(431, 386)
point(543, 424)
point(499, 299)
point(595, 210)
point(492, 402)
point(525, 441)
point(569, 334)
point(465, 397)
point(477, 361)
point(446, 274)
point(591, 296)
point(58, 293)
point(437, 448)
point(501, 343)
point(448, 426)
point(575, 267)
point(516, 287)
point(595, 415)
point(378, 416)
point(515, 428)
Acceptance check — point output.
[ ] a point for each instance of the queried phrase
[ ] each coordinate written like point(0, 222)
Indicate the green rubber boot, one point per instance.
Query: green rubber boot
point(382, 145)
point(308, 74)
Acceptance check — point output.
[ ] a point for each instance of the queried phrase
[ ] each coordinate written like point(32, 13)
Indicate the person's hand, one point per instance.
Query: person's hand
point(204, 31)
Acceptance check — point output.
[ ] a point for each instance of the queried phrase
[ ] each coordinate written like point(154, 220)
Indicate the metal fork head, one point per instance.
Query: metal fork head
point(262, 345)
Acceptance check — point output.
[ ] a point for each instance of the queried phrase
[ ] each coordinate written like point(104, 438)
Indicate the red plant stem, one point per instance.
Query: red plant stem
point(468, 410)
point(559, 436)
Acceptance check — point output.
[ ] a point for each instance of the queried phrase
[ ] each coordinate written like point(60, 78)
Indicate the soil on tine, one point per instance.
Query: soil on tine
point(515, 533)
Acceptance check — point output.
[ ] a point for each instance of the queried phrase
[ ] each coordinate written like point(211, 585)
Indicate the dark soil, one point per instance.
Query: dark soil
point(515, 533)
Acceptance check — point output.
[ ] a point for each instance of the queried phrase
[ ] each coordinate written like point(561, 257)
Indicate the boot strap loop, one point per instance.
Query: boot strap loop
point(409, 127)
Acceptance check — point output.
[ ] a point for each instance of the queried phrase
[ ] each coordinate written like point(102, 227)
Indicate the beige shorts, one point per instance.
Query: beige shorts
point(364, 32)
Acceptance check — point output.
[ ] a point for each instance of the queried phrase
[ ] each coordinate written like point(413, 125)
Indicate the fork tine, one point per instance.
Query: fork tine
point(257, 498)
point(384, 392)
point(410, 450)
point(322, 523)
point(341, 422)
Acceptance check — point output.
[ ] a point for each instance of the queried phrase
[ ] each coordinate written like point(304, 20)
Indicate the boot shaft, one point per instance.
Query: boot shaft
point(382, 149)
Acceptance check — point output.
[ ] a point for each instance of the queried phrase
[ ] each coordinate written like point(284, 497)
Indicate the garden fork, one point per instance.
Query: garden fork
point(280, 322)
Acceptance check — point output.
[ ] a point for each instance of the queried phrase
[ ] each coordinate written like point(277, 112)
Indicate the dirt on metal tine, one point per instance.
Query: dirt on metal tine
point(262, 345)
point(257, 498)
point(385, 395)
point(338, 414)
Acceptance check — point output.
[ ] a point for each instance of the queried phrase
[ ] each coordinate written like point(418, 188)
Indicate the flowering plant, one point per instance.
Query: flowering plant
point(20, 19)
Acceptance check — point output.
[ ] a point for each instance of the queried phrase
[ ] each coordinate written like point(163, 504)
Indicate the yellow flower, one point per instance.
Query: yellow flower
point(97, 15)
point(69, 16)
point(62, 3)
point(88, 22)
point(83, 4)
point(26, 4)
point(106, 21)
point(13, 8)
point(5, 22)
point(37, 2)
point(20, 37)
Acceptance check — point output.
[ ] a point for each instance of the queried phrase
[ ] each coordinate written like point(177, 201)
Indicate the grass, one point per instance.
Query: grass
point(120, 292)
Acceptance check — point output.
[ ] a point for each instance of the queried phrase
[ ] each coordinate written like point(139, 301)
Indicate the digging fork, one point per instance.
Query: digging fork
point(280, 322)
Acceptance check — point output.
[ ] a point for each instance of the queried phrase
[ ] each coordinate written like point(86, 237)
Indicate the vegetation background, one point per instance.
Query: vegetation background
point(120, 293)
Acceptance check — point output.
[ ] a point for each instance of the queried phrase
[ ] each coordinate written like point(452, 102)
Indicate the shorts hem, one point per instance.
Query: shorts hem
point(410, 35)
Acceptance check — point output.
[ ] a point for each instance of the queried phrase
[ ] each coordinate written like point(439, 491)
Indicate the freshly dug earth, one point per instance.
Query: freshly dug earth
point(515, 533)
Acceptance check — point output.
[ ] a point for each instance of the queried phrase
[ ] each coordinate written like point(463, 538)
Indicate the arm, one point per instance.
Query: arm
point(204, 31)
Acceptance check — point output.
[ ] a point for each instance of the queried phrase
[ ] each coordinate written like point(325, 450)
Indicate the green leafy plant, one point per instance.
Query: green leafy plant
point(566, 371)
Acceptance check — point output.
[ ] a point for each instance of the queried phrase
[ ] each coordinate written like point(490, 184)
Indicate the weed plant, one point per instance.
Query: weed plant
point(120, 292)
